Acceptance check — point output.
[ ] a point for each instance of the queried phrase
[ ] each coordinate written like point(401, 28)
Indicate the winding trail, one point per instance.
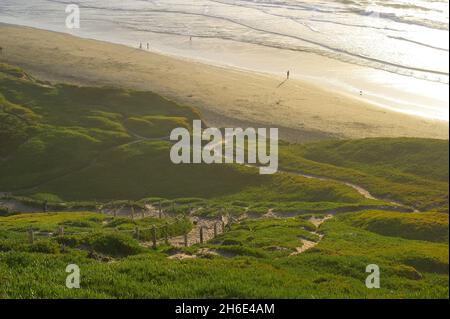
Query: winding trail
point(15, 205)
point(193, 236)
point(361, 190)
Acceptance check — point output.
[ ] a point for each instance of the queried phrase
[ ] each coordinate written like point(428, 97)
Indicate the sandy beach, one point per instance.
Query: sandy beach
point(226, 97)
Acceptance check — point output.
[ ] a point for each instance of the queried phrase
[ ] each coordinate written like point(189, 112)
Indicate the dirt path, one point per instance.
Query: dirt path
point(308, 244)
point(208, 226)
point(361, 190)
point(208, 235)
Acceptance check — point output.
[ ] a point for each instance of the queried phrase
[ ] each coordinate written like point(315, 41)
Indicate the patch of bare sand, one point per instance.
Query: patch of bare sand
point(182, 256)
point(308, 244)
point(319, 221)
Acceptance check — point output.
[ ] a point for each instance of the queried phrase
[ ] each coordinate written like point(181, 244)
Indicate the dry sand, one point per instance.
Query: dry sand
point(225, 97)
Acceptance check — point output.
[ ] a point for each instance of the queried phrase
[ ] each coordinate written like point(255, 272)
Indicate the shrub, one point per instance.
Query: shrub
point(231, 242)
point(44, 246)
point(4, 211)
point(116, 245)
point(422, 226)
point(77, 223)
point(69, 241)
point(427, 264)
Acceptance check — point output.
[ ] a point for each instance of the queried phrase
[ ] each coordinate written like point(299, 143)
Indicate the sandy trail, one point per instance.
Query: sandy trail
point(179, 241)
point(361, 190)
point(319, 221)
point(193, 237)
point(308, 244)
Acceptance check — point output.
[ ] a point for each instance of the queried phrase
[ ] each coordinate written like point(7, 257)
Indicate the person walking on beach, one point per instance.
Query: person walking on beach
point(288, 73)
point(148, 46)
point(140, 45)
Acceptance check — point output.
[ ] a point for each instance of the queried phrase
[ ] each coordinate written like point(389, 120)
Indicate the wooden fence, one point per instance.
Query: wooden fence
point(218, 227)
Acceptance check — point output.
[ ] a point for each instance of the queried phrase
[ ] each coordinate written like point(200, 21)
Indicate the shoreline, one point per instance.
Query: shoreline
point(381, 87)
point(224, 95)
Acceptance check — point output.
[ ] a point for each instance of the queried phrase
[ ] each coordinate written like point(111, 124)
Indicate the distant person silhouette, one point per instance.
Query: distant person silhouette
point(288, 73)
point(148, 46)
point(140, 45)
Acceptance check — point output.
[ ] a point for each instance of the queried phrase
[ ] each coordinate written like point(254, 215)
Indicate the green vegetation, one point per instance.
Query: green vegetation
point(256, 263)
point(87, 231)
point(422, 226)
point(411, 171)
point(106, 144)
point(265, 238)
point(81, 149)
point(156, 126)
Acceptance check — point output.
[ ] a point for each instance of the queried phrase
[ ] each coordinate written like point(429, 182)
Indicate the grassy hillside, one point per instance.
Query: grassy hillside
point(252, 260)
point(425, 158)
point(422, 226)
point(80, 143)
point(68, 143)
point(408, 170)
point(82, 148)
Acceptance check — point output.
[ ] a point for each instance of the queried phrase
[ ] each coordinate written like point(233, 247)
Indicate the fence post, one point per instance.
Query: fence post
point(154, 237)
point(201, 235)
point(31, 236)
point(45, 206)
point(185, 239)
point(61, 231)
point(136, 232)
point(143, 212)
point(166, 234)
point(228, 225)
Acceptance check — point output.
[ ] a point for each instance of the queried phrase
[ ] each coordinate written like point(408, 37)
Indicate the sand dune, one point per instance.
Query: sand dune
point(225, 97)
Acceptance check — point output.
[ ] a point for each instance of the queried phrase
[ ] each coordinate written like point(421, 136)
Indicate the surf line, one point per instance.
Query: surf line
point(262, 148)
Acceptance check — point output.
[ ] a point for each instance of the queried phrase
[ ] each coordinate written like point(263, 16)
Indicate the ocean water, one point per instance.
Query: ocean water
point(398, 50)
